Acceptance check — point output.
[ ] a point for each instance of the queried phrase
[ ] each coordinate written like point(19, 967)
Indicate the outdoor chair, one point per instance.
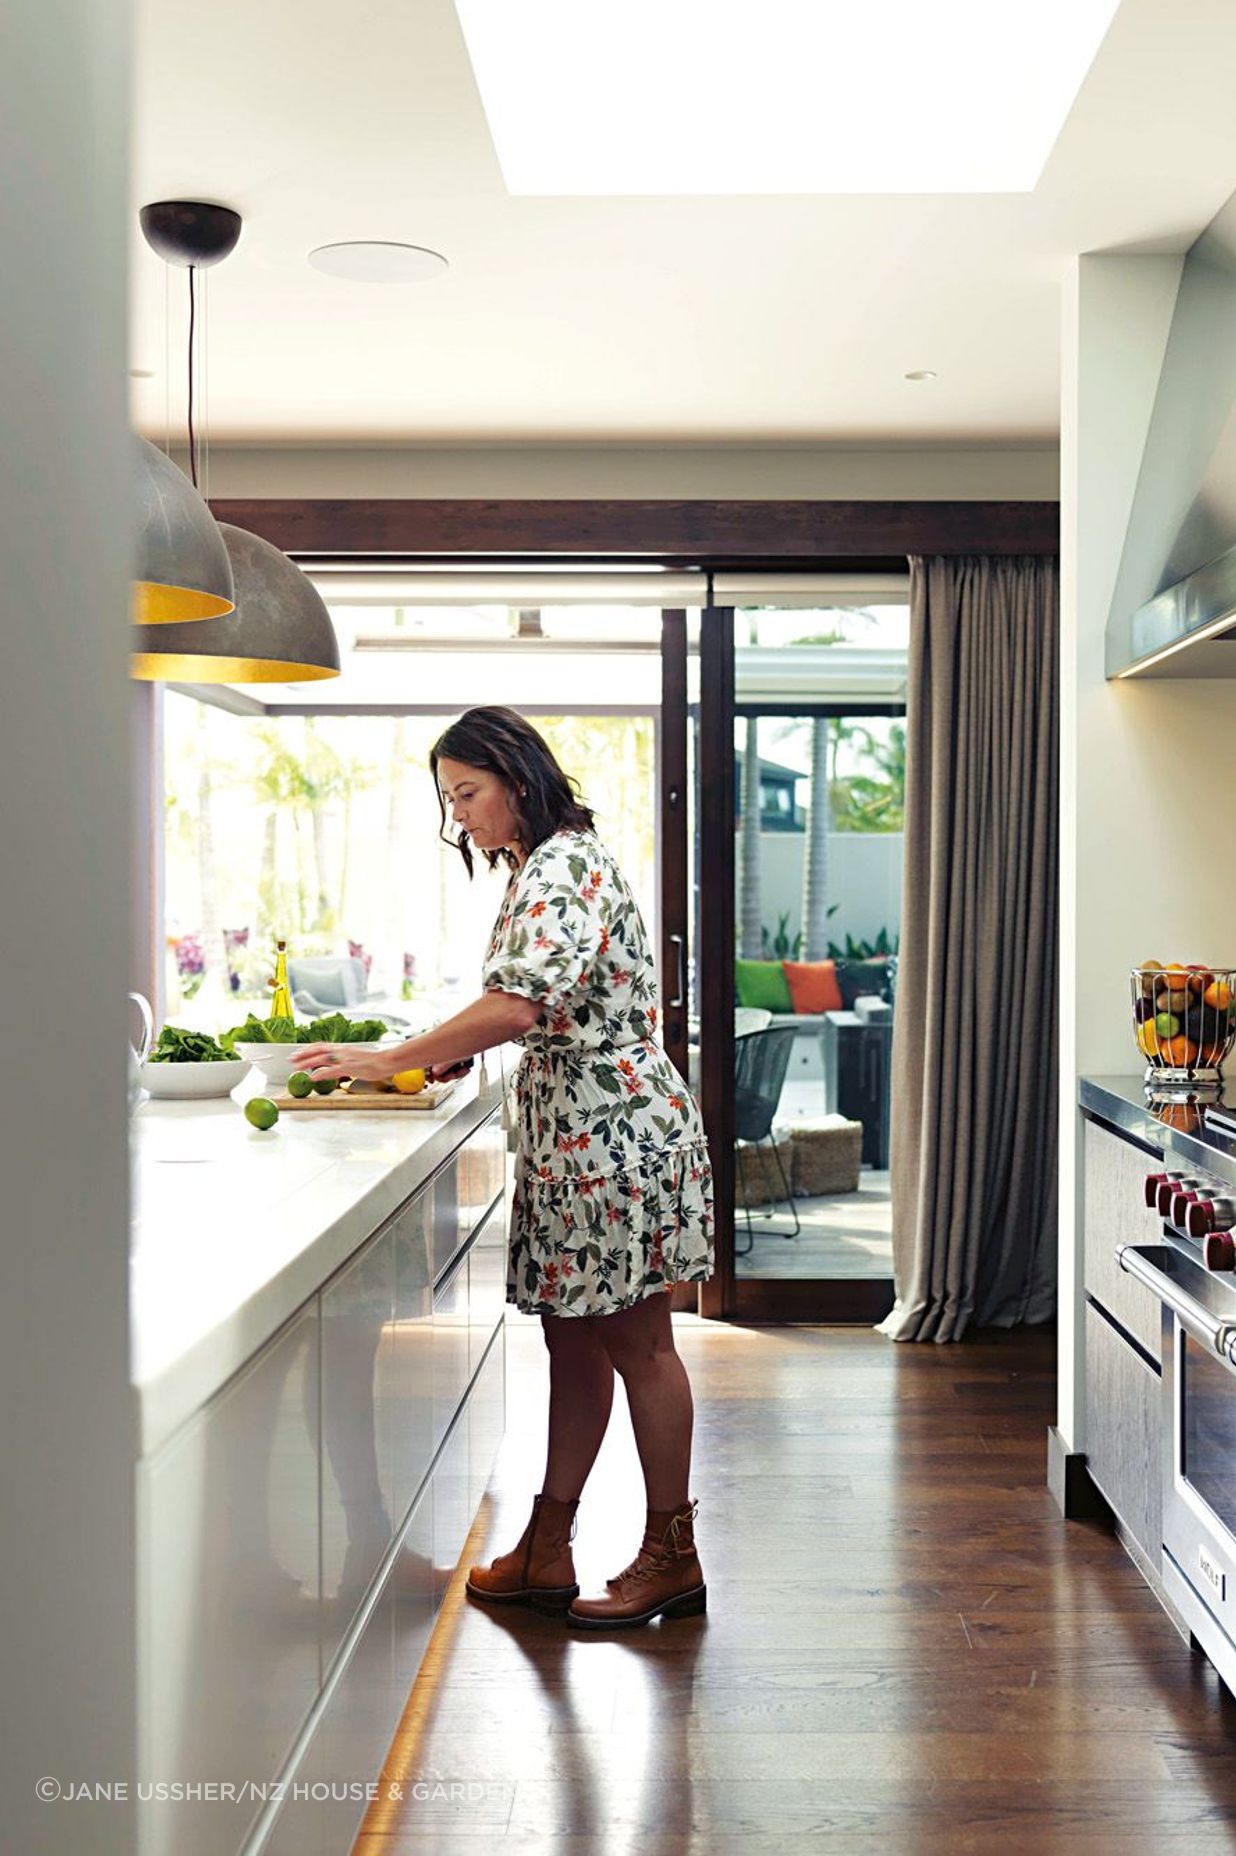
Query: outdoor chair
point(760, 1064)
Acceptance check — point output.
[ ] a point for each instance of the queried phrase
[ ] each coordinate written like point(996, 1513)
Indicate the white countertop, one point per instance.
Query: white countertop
point(234, 1230)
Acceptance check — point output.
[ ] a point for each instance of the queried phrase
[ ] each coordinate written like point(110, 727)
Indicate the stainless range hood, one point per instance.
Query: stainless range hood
point(1173, 613)
point(1187, 631)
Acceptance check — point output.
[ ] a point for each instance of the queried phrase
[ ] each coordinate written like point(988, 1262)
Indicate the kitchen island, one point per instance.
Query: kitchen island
point(319, 1392)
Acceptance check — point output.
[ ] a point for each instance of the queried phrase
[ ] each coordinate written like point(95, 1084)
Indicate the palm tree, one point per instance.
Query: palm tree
point(815, 862)
point(749, 846)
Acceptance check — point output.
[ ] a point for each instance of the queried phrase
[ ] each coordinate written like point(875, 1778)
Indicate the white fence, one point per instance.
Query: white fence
point(864, 880)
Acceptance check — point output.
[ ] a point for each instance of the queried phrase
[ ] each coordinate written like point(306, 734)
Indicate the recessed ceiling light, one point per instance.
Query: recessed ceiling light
point(378, 261)
point(141, 373)
point(804, 96)
point(921, 373)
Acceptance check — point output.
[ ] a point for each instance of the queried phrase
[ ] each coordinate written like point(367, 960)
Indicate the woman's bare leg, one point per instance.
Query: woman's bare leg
point(640, 1344)
point(581, 1393)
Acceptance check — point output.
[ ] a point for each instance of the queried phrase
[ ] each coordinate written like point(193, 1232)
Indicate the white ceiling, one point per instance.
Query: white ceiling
point(745, 320)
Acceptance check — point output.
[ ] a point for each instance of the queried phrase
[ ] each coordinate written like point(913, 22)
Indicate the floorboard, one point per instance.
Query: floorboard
point(906, 1650)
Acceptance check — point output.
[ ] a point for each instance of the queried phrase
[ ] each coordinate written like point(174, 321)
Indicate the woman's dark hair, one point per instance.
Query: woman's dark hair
point(543, 798)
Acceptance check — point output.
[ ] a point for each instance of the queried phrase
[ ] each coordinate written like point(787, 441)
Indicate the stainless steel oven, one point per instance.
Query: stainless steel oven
point(1199, 1437)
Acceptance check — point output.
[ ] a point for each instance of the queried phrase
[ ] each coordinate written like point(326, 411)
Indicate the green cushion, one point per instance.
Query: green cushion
point(763, 983)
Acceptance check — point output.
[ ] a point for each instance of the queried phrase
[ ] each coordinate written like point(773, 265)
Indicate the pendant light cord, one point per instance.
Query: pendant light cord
point(192, 320)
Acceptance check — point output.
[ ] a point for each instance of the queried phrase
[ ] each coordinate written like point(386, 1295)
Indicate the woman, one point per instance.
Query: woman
point(613, 1192)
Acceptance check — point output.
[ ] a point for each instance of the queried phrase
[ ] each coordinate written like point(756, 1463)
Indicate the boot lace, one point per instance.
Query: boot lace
point(651, 1560)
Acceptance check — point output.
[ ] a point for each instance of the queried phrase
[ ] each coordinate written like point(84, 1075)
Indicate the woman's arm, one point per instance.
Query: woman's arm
point(489, 1020)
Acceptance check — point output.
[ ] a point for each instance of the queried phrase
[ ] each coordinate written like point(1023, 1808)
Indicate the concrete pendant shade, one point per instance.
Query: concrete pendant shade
point(280, 631)
point(182, 572)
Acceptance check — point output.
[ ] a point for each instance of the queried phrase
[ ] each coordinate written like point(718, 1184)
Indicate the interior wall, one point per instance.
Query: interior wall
point(1147, 767)
point(844, 473)
point(66, 1462)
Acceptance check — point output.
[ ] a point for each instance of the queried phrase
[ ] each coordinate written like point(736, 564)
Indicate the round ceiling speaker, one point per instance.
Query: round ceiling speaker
point(378, 261)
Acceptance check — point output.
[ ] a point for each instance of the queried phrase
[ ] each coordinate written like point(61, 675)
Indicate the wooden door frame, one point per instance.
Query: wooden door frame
point(796, 536)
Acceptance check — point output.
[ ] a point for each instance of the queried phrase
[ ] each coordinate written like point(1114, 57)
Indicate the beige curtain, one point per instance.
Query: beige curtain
point(974, 1045)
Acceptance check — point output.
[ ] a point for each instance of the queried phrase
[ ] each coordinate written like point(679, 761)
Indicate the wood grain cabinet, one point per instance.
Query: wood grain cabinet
point(1116, 1213)
point(1124, 1424)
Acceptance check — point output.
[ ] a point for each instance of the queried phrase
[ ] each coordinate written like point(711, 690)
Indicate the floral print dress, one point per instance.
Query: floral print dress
point(613, 1191)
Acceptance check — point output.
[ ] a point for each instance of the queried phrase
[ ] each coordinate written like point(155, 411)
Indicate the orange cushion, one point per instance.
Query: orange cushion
point(813, 985)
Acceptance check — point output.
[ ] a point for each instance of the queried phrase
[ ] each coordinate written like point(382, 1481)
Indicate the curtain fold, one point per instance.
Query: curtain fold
point(973, 1162)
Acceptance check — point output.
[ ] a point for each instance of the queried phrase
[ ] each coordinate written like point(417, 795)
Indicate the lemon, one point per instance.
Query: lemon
point(260, 1112)
point(409, 1082)
point(300, 1084)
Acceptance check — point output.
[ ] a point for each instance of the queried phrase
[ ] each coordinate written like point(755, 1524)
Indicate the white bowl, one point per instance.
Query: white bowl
point(184, 1082)
point(277, 1061)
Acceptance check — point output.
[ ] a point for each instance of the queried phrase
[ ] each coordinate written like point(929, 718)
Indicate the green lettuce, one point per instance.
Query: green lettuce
point(335, 1029)
point(177, 1046)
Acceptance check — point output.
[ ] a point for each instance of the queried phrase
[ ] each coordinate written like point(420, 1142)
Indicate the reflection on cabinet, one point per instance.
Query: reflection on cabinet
point(1123, 1431)
point(357, 1450)
point(228, 1592)
point(297, 1534)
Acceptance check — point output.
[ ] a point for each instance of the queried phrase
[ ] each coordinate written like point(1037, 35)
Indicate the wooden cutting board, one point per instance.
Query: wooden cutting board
point(369, 1097)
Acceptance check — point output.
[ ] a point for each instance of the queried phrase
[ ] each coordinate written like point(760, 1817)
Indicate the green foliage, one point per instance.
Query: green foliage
point(883, 945)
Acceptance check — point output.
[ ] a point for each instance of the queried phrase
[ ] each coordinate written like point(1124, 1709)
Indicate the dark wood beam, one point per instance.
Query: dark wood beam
point(865, 535)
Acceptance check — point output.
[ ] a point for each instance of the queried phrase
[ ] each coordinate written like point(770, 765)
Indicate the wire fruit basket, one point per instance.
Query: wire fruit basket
point(1184, 1020)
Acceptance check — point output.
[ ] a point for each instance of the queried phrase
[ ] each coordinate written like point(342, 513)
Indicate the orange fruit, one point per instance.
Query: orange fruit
point(1218, 994)
point(1181, 1052)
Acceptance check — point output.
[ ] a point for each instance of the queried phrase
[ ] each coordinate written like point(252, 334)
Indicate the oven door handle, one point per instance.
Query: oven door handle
point(1218, 1336)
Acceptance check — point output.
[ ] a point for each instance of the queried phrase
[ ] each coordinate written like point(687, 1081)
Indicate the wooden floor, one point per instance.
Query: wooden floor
point(906, 1649)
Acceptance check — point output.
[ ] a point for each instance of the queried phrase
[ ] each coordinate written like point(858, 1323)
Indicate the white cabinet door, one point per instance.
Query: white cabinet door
point(412, 1351)
point(357, 1441)
point(228, 1601)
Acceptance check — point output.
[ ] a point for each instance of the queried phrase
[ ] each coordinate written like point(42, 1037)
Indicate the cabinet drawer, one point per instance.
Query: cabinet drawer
point(411, 1418)
point(486, 1420)
point(357, 1432)
point(486, 1284)
point(325, 1803)
point(450, 1348)
point(228, 1611)
point(480, 1164)
point(452, 1513)
point(1124, 1431)
point(1114, 1213)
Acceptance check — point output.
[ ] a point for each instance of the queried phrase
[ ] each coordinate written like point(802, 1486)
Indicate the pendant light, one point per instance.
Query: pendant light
point(183, 571)
point(279, 630)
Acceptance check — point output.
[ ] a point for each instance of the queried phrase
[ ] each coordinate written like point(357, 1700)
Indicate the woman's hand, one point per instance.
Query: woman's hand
point(339, 1060)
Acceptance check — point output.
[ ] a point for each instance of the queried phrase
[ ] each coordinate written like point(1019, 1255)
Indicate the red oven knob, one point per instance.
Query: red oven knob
point(1180, 1203)
point(1168, 1189)
point(1219, 1251)
point(1153, 1182)
point(1205, 1215)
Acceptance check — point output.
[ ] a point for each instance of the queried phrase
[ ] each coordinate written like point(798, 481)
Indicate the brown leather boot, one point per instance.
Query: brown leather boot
point(539, 1570)
point(663, 1580)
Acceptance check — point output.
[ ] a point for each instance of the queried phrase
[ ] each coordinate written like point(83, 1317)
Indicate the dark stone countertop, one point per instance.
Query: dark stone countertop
point(1178, 1130)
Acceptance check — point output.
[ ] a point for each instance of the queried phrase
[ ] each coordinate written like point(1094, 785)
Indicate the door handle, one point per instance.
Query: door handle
point(680, 972)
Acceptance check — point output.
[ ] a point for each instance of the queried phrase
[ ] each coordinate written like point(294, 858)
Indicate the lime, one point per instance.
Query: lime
point(300, 1084)
point(326, 1085)
point(1167, 1024)
point(260, 1112)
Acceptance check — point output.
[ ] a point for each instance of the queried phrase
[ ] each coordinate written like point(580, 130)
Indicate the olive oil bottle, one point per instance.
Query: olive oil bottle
point(281, 1003)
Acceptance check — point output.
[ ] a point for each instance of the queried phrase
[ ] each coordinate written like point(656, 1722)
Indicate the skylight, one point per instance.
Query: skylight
point(783, 96)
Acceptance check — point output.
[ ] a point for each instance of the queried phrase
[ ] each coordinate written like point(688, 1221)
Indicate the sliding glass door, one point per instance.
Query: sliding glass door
point(794, 843)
